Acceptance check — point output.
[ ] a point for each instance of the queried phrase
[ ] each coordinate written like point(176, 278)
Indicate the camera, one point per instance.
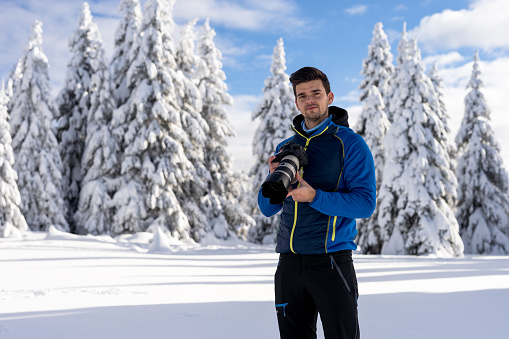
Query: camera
point(291, 157)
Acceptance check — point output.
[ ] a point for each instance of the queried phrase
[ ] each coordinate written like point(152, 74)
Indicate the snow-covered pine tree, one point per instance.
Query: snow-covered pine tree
point(74, 101)
point(483, 190)
point(419, 185)
point(12, 220)
point(377, 67)
point(436, 80)
point(126, 34)
point(375, 126)
point(437, 83)
point(154, 167)
point(14, 78)
point(275, 111)
point(99, 162)
point(224, 212)
point(37, 160)
point(197, 128)
point(373, 123)
point(187, 59)
point(391, 99)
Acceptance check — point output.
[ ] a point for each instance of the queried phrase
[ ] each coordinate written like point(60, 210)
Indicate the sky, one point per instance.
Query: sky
point(328, 34)
point(58, 285)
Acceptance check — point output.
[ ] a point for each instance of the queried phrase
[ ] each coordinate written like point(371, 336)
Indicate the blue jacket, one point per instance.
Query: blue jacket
point(342, 171)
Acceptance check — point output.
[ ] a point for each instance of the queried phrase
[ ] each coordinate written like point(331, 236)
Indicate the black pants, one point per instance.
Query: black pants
point(310, 284)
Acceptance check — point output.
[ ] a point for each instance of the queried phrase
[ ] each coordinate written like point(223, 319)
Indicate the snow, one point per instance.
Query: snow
point(57, 285)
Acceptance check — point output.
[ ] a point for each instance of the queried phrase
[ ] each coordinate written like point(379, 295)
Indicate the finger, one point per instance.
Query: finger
point(272, 157)
point(290, 191)
point(299, 178)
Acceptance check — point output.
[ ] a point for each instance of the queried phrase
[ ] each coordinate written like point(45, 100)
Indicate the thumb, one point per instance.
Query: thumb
point(299, 178)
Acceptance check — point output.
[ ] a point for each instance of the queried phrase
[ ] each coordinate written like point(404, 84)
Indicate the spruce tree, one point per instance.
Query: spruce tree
point(74, 102)
point(99, 162)
point(392, 100)
point(483, 190)
point(439, 106)
point(187, 59)
point(373, 123)
point(377, 67)
point(14, 79)
point(375, 127)
point(275, 112)
point(224, 212)
point(419, 185)
point(126, 34)
point(12, 220)
point(197, 127)
point(37, 160)
point(154, 169)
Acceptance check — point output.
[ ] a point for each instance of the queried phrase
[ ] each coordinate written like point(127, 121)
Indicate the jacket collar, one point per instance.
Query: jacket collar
point(339, 118)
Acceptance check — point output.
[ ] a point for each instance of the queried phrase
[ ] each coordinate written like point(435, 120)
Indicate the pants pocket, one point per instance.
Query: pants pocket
point(347, 274)
point(281, 308)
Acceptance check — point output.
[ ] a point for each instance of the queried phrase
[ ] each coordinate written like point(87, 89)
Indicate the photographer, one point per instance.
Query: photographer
point(317, 226)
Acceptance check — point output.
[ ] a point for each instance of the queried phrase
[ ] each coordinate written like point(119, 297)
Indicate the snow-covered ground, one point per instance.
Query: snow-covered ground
point(60, 286)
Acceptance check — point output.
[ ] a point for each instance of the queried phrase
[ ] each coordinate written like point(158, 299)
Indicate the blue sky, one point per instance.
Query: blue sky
point(331, 35)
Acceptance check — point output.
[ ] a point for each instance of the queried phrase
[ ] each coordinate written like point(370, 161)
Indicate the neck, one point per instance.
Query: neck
point(315, 126)
point(310, 124)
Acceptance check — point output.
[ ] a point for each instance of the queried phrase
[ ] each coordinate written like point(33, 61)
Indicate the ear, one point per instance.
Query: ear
point(330, 97)
point(296, 104)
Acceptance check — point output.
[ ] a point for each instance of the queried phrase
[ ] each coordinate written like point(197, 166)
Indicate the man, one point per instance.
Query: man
point(317, 227)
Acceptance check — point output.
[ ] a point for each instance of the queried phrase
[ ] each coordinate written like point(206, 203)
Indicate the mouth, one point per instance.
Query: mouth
point(311, 107)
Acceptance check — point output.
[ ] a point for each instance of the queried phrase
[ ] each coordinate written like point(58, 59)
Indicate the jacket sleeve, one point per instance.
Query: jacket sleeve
point(359, 176)
point(266, 207)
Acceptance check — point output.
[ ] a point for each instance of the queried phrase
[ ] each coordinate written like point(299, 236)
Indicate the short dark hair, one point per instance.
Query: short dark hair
point(306, 74)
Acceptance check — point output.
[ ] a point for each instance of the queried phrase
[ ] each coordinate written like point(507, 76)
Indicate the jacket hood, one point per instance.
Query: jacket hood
point(339, 117)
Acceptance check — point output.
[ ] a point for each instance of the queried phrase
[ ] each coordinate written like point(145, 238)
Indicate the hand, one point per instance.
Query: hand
point(303, 193)
point(272, 165)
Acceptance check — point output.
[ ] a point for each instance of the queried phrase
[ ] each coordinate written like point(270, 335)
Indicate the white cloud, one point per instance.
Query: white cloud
point(235, 51)
point(357, 9)
point(354, 112)
point(60, 19)
point(352, 96)
point(352, 80)
point(401, 8)
point(443, 60)
point(240, 147)
point(248, 15)
point(394, 35)
point(483, 25)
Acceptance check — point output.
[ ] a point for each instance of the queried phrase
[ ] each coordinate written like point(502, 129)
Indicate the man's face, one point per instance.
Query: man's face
point(313, 102)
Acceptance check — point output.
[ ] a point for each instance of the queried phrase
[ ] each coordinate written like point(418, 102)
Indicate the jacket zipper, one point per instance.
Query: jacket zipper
point(335, 217)
point(308, 140)
point(334, 228)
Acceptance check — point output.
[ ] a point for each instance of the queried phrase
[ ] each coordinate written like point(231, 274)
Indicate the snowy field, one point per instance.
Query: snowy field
point(62, 286)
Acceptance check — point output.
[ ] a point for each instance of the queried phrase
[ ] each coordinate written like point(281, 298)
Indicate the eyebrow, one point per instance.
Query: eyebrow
point(312, 91)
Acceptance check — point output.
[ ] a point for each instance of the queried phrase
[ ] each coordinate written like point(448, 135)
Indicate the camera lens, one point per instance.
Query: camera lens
point(277, 184)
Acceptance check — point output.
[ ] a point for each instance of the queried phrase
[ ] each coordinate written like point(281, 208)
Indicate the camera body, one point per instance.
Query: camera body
point(291, 157)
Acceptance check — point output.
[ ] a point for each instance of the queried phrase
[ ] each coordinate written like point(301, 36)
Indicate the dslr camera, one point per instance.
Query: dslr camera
point(291, 157)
